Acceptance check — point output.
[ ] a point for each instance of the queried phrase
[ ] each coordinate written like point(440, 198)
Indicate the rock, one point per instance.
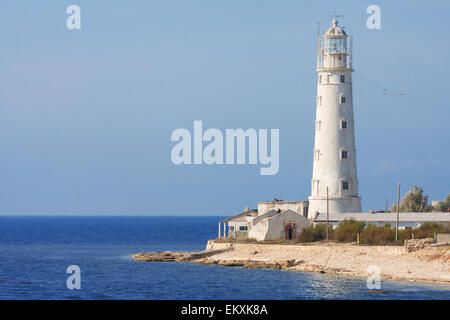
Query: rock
point(291, 263)
point(167, 256)
point(381, 291)
point(417, 244)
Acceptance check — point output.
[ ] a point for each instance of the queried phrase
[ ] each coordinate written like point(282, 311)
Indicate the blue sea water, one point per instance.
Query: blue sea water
point(35, 252)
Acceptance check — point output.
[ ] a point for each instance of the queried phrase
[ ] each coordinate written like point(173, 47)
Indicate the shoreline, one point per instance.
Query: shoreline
point(429, 264)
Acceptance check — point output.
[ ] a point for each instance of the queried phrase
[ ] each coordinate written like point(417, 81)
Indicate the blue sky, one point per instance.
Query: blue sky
point(86, 116)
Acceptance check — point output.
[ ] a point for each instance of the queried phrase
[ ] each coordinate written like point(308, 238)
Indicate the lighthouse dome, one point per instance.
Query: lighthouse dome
point(335, 30)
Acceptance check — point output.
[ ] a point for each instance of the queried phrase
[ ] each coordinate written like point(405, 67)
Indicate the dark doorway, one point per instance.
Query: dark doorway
point(289, 232)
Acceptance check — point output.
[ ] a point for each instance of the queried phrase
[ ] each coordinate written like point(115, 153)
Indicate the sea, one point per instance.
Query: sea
point(35, 253)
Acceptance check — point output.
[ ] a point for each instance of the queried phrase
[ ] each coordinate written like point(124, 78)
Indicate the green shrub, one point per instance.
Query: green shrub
point(374, 235)
point(428, 229)
point(315, 233)
point(347, 230)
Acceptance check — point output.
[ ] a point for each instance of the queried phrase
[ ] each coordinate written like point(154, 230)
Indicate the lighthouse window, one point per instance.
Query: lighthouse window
point(342, 99)
point(342, 79)
point(343, 124)
point(319, 100)
point(316, 154)
point(344, 185)
point(344, 154)
point(318, 123)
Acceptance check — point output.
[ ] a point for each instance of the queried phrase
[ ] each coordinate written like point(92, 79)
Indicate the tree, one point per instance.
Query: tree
point(413, 201)
point(443, 206)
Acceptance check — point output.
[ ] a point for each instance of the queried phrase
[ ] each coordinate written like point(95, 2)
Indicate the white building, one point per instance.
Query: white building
point(406, 219)
point(272, 220)
point(334, 165)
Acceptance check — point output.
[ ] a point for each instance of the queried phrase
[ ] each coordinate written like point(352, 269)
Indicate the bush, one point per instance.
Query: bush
point(374, 235)
point(347, 230)
point(315, 233)
point(428, 229)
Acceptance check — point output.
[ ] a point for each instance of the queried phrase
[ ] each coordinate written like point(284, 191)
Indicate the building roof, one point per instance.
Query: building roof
point(241, 216)
point(282, 202)
point(386, 217)
point(335, 30)
point(266, 215)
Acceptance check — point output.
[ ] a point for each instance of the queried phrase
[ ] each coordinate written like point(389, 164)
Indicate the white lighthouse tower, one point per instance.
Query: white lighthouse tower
point(334, 164)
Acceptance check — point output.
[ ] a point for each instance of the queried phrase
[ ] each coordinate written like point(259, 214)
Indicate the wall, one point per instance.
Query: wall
point(296, 206)
point(273, 228)
point(442, 237)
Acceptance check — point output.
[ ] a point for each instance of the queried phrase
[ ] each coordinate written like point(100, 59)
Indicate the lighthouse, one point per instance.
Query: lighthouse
point(334, 164)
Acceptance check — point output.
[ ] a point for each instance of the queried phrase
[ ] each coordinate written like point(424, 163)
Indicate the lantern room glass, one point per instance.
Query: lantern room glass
point(337, 45)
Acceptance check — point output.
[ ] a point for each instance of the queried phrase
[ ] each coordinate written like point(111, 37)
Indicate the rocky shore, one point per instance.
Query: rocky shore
point(417, 261)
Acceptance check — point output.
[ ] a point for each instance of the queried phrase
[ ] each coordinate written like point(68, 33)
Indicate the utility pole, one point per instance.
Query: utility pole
point(398, 211)
point(386, 205)
point(328, 217)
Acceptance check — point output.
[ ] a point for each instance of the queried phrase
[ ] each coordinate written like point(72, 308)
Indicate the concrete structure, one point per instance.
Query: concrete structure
point(300, 207)
point(406, 219)
point(334, 163)
point(442, 238)
point(276, 224)
point(272, 220)
point(238, 225)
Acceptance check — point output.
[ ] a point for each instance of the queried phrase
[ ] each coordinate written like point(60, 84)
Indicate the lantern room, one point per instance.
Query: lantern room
point(334, 49)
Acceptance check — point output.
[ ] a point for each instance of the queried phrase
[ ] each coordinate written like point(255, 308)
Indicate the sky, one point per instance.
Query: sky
point(86, 115)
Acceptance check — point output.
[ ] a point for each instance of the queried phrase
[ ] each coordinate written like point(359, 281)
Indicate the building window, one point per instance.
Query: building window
point(342, 99)
point(316, 154)
point(318, 124)
point(344, 154)
point(344, 185)
point(319, 100)
point(328, 78)
point(231, 228)
point(342, 79)
point(320, 79)
point(343, 124)
point(243, 228)
point(315, 186)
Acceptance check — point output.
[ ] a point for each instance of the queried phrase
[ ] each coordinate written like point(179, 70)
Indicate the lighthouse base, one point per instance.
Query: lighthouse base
point(335, 205)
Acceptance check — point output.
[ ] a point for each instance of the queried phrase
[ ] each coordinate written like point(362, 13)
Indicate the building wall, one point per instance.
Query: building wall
point(336, 204)
point(443, 237)
point(401, 224)
point(296, 206)
point(274, 228)
point(237, 233)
